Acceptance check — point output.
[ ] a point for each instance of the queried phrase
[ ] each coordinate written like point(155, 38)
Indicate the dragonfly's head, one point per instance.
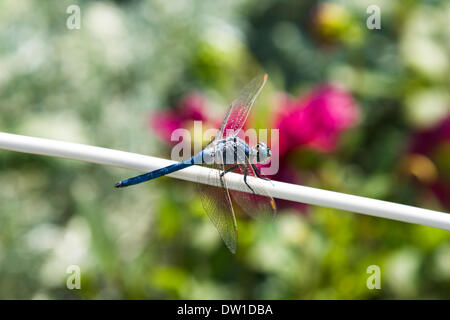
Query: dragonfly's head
point(264, 152)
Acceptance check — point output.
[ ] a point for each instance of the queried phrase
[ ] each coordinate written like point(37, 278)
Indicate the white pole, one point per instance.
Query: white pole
point(281, 190)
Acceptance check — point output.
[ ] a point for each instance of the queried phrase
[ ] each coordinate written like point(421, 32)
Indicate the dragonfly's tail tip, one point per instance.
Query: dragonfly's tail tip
point(118, 185)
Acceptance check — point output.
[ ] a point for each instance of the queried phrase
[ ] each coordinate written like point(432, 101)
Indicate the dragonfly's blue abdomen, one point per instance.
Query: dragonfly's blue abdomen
point(229, 150)
point(155, 174)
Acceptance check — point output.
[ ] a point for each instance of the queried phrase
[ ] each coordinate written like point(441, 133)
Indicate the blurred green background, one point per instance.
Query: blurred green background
point(132, 61)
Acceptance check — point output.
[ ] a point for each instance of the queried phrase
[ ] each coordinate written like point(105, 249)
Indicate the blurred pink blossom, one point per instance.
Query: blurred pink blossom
point(316, 120)
point(191, 108)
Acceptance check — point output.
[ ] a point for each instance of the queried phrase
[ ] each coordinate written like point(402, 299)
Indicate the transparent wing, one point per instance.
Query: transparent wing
point(256, 202)
point(217, 204)
point(240, 108)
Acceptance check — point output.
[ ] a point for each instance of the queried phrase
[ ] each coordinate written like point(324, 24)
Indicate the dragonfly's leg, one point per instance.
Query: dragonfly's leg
point(246, 167)
point(228, 170)
point(245, 181)
point(258, 173)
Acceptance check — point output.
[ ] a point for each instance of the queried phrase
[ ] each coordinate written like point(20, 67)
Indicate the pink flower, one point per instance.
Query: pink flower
point(316, 120)
point(191, 108)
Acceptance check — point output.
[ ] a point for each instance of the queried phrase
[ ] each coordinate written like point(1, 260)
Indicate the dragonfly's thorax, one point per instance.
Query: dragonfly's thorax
point(234, 150)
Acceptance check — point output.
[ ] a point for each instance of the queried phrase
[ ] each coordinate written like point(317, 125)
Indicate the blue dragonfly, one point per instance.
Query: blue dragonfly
point(228, 153)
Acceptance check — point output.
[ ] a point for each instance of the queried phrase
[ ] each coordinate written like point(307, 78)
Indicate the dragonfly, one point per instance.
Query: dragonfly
point(227, 152)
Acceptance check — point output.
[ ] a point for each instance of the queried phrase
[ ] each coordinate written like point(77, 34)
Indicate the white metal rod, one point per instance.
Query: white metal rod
point(281, 190)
